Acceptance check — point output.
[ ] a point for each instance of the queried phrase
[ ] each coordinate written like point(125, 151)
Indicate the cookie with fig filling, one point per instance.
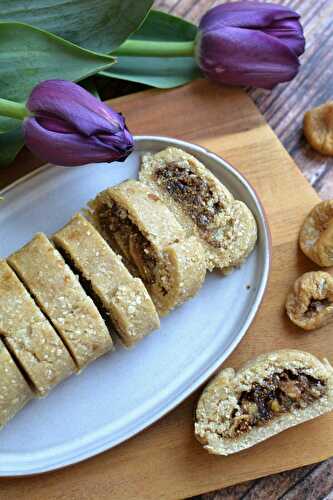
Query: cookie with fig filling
point(14, 390)
point(123, 299)
point(225, 227)
point(140, 226)
point(275, 391)
point(30, 337)
point(62, 299)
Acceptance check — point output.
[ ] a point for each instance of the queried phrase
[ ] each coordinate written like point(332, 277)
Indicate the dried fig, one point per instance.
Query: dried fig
point(310, 304)
point(316, 235)
point(318, 128)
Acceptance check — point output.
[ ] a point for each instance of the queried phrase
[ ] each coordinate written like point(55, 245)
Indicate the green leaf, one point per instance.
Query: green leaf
point(161, 72)
point(7, 124)
point(10, 144)
point(160, 26)
point(29, 55)
point(11, 139)
point(100, 25)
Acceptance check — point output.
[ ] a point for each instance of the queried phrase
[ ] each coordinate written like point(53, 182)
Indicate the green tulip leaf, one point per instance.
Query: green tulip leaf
point(100, 25)
point(29, 55)
point(11, 139)
point(163, 27)
point(10, 144)
point(161, 72)
point(7, 124)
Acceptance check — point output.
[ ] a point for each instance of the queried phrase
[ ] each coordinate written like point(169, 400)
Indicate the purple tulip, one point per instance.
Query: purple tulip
point(70, 127)
point(250, 43)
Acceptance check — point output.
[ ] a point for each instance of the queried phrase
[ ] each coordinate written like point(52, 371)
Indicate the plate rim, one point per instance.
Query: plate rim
point(93, 449)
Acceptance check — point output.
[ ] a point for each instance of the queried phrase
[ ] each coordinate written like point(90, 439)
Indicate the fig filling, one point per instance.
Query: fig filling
point(88, 288)
point(126, 238)
point(276, 395)
point(194, 193)
point(315, 306)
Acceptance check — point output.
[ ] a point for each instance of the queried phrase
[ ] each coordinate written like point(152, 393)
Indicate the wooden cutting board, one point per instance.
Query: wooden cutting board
point(165, 461)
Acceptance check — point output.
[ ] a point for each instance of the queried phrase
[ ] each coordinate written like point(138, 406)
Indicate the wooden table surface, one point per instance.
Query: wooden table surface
point(284, 108)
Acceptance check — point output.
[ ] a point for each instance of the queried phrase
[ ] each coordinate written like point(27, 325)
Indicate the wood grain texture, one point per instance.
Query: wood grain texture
point(284, 108)
point(165, 461)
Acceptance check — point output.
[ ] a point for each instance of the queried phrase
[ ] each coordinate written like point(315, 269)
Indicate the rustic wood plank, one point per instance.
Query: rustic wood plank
point(230, 493)
point(274, 487)
point(315, 485)
point(285, 106)
point(270, 487)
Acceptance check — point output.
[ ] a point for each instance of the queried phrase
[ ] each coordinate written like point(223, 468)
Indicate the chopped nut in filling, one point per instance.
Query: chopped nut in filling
point(126, 237)
point(117, 227)
point(195, 194)
point(277, 394)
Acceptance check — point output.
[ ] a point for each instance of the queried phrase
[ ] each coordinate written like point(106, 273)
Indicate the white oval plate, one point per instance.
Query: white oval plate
point(125, 391)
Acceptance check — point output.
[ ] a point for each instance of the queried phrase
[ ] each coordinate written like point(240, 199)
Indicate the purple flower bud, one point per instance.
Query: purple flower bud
point(249, 43)
point(70, 127)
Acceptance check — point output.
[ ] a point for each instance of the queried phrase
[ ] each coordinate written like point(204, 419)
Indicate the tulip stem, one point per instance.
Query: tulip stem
point(144, 48)
point(13, 109)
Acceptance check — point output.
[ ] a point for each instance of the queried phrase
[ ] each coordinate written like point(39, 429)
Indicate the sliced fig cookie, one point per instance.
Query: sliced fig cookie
point(147, 234)
point(120, 298)
point(269, 394)
point(203, 205)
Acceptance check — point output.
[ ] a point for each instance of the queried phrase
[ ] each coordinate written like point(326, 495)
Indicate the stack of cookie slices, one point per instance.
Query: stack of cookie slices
point(142, 249)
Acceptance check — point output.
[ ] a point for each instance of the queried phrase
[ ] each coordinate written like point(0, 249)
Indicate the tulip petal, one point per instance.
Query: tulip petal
point(56, 125)
point(245, 15)
point(275, 20)
point(73, 149)
point(75, 106)
point(290, 33)
point(71, 127)
point(246, 57)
